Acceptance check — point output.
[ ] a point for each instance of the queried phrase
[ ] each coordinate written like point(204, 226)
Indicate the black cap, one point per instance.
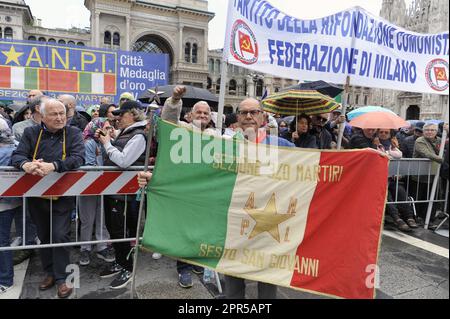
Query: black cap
point(127, 106)
point(419, 126)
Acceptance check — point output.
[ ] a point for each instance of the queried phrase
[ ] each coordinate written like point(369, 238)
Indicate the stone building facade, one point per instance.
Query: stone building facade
point(422, 16)
point(180, 28)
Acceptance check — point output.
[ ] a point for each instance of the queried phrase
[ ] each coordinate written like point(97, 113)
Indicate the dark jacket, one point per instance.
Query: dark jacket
point(50, 148)
point(360, 141)
point(407, 146)
point(444, 167)
point(78, 120)
point(121, 141)
point(305, 141)
point(323, 138)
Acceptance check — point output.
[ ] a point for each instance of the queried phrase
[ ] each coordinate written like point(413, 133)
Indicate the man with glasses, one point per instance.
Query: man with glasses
point(427, 146)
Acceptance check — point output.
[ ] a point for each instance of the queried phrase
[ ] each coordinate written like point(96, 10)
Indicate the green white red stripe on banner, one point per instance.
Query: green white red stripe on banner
point(312, 222)
point(25, 78)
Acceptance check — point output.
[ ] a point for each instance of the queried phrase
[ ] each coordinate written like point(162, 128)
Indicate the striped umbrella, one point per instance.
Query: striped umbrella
point(294, 102)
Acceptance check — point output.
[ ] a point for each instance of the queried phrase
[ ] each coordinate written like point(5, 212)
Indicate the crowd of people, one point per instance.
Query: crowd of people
point(54, 135)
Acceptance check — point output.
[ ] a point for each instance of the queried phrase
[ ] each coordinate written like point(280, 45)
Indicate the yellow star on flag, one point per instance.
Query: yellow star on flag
point(12, 55)
point(267, 220)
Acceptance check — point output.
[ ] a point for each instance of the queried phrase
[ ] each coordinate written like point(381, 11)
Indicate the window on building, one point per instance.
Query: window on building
point(8, 33)
point(259, 88)
point(187, 52)
point(61, 41)
point(366, 98)
point(42, 39)
point(71, 42)
point(107, 38)
point(51, 40)
point(357, 99)
point(232, 87)
point(194, 53)
point(209, 83)
point(218, 86)
point(31, 37)
point(116, 38)
point(211, 66)
point(244, 88)
point(218, 66)
point(81, 44)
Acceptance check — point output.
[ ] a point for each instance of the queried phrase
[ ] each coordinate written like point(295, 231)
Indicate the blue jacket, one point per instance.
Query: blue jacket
point(50, 148)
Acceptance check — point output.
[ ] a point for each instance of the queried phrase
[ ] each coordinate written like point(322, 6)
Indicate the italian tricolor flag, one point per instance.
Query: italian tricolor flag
point(297, 218)
point(24, 78)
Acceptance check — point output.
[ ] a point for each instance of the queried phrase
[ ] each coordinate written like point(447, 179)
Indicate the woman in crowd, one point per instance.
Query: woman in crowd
point(299, 132)
point(402, 214)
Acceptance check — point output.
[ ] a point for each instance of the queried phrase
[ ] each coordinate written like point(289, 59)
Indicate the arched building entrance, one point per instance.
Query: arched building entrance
point(151, 43)
point(413, 112)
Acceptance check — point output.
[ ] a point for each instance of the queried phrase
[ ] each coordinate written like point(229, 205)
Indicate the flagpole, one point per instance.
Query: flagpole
point(223, 86)
point(344, 110)
point(141, 204)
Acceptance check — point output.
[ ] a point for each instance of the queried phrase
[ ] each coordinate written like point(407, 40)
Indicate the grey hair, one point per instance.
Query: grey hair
point(430, 125)
point(249, 99)
point(46, 102)
point(200, 103)
point(6, 136)
point(137, 115)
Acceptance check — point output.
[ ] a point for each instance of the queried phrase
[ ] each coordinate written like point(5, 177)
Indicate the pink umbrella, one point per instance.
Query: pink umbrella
point(376, 120)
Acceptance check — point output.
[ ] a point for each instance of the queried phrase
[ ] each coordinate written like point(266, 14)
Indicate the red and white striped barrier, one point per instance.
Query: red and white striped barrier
point(19, 184)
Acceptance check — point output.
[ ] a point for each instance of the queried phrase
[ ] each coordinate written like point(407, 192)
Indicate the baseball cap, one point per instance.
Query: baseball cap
point(127, 106)
point(419, 126)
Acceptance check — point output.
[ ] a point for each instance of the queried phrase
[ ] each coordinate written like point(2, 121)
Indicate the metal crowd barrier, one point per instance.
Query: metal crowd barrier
point(9, 174)
point(403, 171)
point(420, 173)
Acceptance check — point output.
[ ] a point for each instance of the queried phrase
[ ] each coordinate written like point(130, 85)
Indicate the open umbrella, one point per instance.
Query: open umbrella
point(367, 109)
point(193, 95)
point(319, 86)
point(379, 120)
point(294, 102)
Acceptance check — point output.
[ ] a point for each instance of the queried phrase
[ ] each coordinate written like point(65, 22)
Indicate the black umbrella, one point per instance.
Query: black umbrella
point(193, 95)
point(320, 86)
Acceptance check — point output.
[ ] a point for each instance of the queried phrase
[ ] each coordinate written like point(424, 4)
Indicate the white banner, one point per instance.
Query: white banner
point(372, 51)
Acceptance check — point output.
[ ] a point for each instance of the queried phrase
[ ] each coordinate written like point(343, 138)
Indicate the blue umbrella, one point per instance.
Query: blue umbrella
point(367, 109)
point(437, 122)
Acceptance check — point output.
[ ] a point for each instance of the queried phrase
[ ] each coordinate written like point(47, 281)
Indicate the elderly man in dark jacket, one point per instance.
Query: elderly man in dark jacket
point(51, 147)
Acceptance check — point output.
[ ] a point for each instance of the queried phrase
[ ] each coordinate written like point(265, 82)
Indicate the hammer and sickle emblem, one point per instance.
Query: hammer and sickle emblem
point(246, 45)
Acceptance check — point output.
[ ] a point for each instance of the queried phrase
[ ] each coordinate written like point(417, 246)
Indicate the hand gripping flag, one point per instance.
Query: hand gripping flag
point(303, 219)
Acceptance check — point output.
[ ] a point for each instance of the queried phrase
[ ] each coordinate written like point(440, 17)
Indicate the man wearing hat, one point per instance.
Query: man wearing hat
point(407, 146)
point(128, 149)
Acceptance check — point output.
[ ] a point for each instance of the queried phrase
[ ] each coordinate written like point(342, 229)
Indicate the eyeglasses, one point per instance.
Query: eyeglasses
point(251, 112)
point(430, 130)
point(383, 132)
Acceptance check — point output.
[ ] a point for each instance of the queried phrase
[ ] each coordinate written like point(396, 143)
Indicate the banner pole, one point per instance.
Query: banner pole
point(141, 203)
point(436, 177)
point(223, 86)
point(344, 111)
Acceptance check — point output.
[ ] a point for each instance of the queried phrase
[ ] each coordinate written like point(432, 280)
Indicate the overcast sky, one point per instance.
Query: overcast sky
point(67, 13)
